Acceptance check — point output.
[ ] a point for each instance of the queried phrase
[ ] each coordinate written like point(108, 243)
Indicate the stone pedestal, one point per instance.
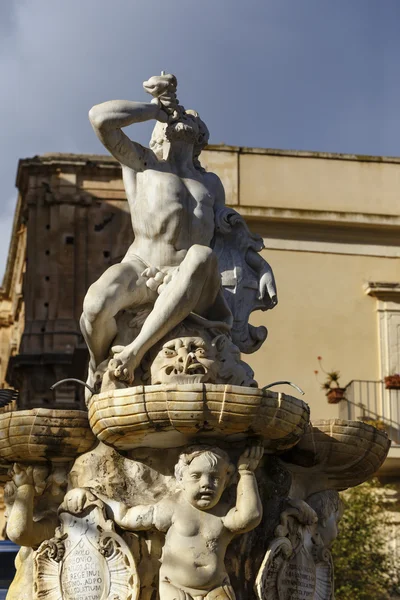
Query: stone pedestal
point(109, 512)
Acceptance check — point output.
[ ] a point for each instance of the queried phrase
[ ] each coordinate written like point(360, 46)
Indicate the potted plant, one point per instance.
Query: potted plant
point(331, 385)
point(392, 382)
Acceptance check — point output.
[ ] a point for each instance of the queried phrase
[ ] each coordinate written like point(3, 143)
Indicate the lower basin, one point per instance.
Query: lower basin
point(343, 453)
point(42, 434)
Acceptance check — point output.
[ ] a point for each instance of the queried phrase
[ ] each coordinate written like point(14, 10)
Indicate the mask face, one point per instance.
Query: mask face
point(184, 360)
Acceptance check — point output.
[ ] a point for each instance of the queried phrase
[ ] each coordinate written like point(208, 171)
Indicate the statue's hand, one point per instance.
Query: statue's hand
point(75, 500)
point(22, 475)
point(9, 492)
point(40, 478)
point(163, 90)
point(250, 458)
point(267, 288)
point(161, 84)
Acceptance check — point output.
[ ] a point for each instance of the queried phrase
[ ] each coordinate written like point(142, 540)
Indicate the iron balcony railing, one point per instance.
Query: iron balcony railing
point(371, 402)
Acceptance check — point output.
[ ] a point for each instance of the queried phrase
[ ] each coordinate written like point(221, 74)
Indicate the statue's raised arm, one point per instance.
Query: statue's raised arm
point(110, 117)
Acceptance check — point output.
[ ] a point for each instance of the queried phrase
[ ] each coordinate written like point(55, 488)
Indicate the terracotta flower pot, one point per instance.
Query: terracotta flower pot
point(335, 395)
point(392, 382)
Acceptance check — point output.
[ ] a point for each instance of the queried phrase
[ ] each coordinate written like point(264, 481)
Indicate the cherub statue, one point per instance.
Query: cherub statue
point(297, 560)
point(32, 498)
point(198, 524)
point(329, 508)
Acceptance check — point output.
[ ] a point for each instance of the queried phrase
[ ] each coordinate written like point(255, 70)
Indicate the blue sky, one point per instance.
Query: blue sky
point(292, 74)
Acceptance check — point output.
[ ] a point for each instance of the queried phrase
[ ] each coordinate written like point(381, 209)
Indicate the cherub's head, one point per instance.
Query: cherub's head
point(203, 473)
point(329, 509)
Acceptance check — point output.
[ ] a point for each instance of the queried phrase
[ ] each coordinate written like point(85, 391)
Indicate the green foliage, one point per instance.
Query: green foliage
point(334, 376)
point(363, 566)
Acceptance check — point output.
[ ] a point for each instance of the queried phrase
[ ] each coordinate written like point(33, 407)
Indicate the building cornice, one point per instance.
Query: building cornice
point(58, 159)
point(303, 154)
point(295, 215)
point(383, 290)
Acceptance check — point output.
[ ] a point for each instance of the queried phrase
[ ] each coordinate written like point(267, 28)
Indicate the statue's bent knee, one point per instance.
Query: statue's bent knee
point(96, 304)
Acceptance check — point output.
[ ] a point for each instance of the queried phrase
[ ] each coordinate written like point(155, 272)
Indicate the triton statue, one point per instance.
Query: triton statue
point(170, 267)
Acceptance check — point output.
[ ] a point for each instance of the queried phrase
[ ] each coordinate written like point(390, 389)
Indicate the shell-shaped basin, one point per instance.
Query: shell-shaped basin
point(165, 416)
point(42, 434)
point(346, 453)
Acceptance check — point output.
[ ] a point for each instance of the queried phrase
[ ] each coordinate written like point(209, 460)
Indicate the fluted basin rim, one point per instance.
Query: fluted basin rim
point(43, 434)
point(171, 415)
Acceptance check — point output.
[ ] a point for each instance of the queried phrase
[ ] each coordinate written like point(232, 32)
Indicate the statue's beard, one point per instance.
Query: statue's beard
point(180, 132)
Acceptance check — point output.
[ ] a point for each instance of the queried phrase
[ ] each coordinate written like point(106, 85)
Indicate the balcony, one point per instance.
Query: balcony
point(371, 402)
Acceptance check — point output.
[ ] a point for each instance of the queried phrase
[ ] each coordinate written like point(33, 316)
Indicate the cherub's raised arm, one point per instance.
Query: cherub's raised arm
point(247, 513)
point(22, 529)
point(108, 118)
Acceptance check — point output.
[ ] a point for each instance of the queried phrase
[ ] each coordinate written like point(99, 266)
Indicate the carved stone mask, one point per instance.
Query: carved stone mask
point(185, 360)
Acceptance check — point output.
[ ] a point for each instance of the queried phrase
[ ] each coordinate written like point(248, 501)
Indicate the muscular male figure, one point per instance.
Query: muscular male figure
point(170, 265)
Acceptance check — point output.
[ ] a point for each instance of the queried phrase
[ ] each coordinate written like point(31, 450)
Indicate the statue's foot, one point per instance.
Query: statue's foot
point(123, 363)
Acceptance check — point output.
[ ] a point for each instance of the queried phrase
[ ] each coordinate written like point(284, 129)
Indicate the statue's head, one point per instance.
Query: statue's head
point(203, 473)
point(185, 359)
point(190, 354)
point(187, 127)
point(329, 509)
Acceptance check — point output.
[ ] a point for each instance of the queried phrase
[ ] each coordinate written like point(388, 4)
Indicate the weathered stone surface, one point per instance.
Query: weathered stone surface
point(197, 520)
point(342, 453)
point(40, 435)
point(32, 496)
point(86, 560)
point(192, 352)
point(166, 415)
point(298, 564)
